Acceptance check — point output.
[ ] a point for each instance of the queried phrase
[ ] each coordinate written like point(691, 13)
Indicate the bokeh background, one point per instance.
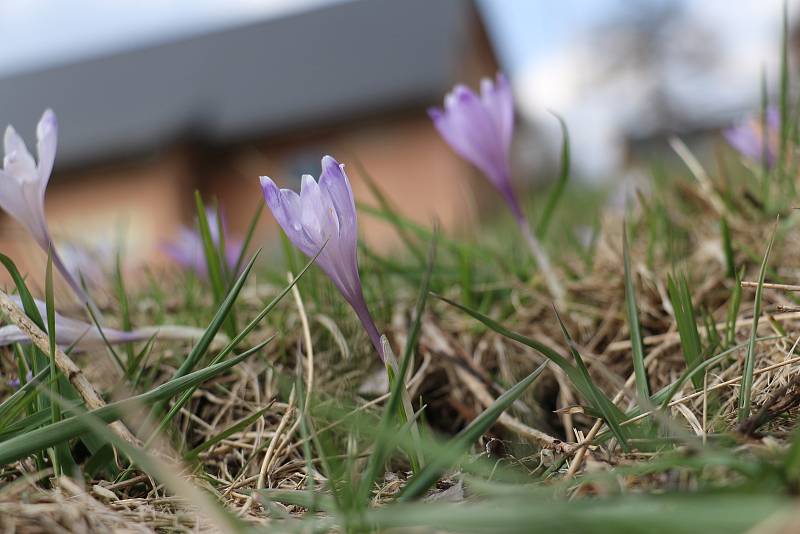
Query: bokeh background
point(157, 99)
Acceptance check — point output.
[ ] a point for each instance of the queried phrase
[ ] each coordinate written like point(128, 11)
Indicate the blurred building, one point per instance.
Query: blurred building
point(141, 129)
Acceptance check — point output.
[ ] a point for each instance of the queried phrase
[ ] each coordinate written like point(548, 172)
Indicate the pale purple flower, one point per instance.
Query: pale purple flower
point(16, 382)
point(70, 331)
point(187, 249)
point(749, 137)
point(23, 182)
point(323, 217)
point(479, 129)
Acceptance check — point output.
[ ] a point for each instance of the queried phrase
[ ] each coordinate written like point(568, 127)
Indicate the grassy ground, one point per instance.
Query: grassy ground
point(302, 435)
point(661, 396)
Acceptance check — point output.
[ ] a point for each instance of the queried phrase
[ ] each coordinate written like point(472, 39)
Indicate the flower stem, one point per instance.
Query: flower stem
point(73, 283)
point(551, 280)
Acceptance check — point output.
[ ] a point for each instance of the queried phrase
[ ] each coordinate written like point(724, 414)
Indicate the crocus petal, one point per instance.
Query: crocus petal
point(286, 208)
point(470, 131)
point(20, 200)
point(334, 180)
point(46, 142)
point(12, 198)
point(10, 334)
point(498, 100)
point(18, 162)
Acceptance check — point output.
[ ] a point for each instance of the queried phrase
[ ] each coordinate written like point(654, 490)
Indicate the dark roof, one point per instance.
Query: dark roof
point(356, 57)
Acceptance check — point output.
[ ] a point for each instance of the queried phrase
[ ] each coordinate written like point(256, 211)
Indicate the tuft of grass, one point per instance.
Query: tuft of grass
point(632, 311)
point(745, 395)
point(557, 191)
point(681, 298)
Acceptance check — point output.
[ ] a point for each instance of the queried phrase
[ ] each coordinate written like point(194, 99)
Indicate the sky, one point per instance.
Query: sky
point(38, 33)
point(543, 45)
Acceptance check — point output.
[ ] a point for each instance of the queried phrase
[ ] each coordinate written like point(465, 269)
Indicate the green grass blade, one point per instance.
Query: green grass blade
point(750, 358)
point(632, 312)
point(248, 237)
point(28, 304)
point(58, 452)
point(599, 400)
point(765, 176)
point(733, 310)
point(381, 449)
point(461, 443)
point(214, 262)
point(727, 247)
point(39, 359)
point(15, 403)
point(124, 308)
point(216, 322)
point(39, 439)
point(557, 192)
point(27, 424)
point(681, 300)
point(212, 256)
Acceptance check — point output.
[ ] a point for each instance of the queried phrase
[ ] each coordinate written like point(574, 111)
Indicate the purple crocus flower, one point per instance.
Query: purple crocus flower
point(751, 140)
point(23, 182)
point(323, 217)
point(479, 129)
point(16, 382)
point(187, 250)
point(70, 331)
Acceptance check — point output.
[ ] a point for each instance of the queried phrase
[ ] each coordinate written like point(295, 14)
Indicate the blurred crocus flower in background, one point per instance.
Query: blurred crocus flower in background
point(23, 182)
point(16, 382)
point(187, 249)
point(83, 336)
point(70, 331)
point(755, 142)
point(323, 217)
point(479, 128)
point(90, 263)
